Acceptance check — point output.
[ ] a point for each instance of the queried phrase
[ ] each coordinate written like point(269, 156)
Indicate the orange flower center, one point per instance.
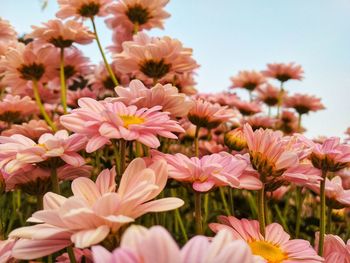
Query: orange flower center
point(130, 120)
point(271, 253)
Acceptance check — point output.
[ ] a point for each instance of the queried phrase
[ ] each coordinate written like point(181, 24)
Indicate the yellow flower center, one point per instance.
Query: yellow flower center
point(271, 253)
point(129, 120)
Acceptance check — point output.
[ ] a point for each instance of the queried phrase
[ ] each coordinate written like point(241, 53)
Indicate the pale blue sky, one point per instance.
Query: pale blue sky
point(231, 35)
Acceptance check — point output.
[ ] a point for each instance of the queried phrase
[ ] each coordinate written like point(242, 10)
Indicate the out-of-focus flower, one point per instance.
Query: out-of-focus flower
point(81, 255)
point(74, 95)
point(276, 246)
point(268, 94)
point(120, 35)
point(62, 34)
point(153, 59)
point(82, 8)
point(141, 245)
point(259, 121)
point(210, 171)
point(335, 249)
point(14, 109)
point(7, 32)
point(136, 15)
point(167, 96)
point(235, 140)
point(209, 115)
point(94, 211)
point(33, 129)
point(303, 103)
point(6, 249)
point(249, 80)
point(247, 108)
point(284, 72)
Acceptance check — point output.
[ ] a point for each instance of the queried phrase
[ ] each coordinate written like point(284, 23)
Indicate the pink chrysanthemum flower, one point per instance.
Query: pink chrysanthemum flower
point(268, 94)
point(259, 121)
point(95, 210)
point(336, 196)
point(137, 15)
point(74, 95)
point(62, 34)
point(16, 109)
point(153, 59)
point(210, 171)
point(209, 115)
point(82, 8)
point(303, 103)
point(120, 35)
point(185, 83)
point(331, 155)
point(335, 249)
point(247, 108)
point(18, 150)
point(102, 121)
point(142, 245)
point(276, 246)
point(284, 72)
point(7, 32)
point(33, 129)
point(249, 80)
point(24, 64)
point(167, 96)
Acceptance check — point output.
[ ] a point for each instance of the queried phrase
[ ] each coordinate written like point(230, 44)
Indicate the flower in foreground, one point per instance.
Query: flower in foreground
point(335, 249)
point(95, 210)
point(142, 245)
point(275, 247)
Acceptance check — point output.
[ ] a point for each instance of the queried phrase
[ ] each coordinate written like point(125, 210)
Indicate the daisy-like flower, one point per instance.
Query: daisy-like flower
point(153, 59)
point(247, 108)
point(7, 32)
point(185, 83)
point(14, 109)
point(102, 121)
point(303, 103)
point(331, 155)
point(215, 170)
point(259, 121)
point(94, 211)
point(268, 94)
point(32, 129)
point(335, 249)
point(137, 15)
point(23, 64)
point(82, 8)
point(336, 196)
point(276, 246)
point(74, 95)
point(142, 245)
point(249, 80)
point(62, 34)
point(18, 150)
point(209, 115)
point(167, 96)
point(284, 72)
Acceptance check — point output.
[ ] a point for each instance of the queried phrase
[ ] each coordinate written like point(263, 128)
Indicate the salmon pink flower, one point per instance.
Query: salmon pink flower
point(141, 245)
point(120, 35)
point(335, 249)
point(32, 129)
point(167, 96)
point(153, 59)
point(276, 246)
point(82, 8)
point(284, 72)
point(303, 103)
point(259, 121)
point(62, 34)
point(95, 210)
point(247, 108)
point(74, 95)
point(7, 32)
point(268, 94)
point(249, 80)
point(136, 15)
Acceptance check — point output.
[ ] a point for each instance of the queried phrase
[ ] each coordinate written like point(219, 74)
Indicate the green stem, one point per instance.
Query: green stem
point(39, 202)
point(196, 142)
point(223, 198)
point(322, 213)
point(41, 106)
point(329, 220)
point(108, 67)
point(232, 206)
point(179, 218)
point(71, 254)
point(281, 218)
point(280, 98)
point(54, 181)
point(198, 212)
point(299, 205)
point(63, 83)
point(299, 122)
point(122, 146)
point(261, 210)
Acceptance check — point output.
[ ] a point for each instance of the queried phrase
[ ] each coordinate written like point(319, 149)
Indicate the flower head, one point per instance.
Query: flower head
point(249, 80)
point(82, 8)
point(268, 94)
point(335, 249)
point(235, 140)
point(284, 72)
point(303, 103)
point(7, 32)
point(15, 109)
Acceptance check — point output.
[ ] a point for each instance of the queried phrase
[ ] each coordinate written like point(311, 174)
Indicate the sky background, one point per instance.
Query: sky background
point(231, 35)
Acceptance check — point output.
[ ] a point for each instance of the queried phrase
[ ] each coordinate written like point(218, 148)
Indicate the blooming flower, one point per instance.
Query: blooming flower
point(247, 108)
point(276, 246)
point(284, 72)
point(249, 80)
point(137, 15)
point(259, 121)
point(335, 250)
point(94, 210)
point(268, 94)
point(6, 249)
point(141, 245)
point(82, 8)
point(303, 103)
point(167, 96)
point(7, 32)
point(14, 108)
point(152, 59)
point(62, 34)
point(74, 95)
point(119, 36)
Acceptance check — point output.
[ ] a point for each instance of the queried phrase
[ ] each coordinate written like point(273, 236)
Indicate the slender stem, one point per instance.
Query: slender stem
point(122, 146)
point(232, 204)
point(54, 180)
point(250, 96)
point(299, 122)
point(206, 208)
point(71, 254)
point(223, 198)
point(179, 218)
point(280, 97)
point(41, 106)
point(269, 111)
point(299, 205)
point(329, 220)
point(281, 218)
point(196, 142)
point(63, 83)
point(138, 147)
point(261, 210)
point(108, 67)
point(39, 202)
point(198, 212)
point(322, 213)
